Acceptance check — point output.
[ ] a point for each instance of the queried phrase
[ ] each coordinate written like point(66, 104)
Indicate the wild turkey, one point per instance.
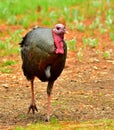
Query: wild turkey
point(43, 52)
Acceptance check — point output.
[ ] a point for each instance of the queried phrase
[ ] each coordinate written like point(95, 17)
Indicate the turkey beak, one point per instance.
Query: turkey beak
point(66, 31)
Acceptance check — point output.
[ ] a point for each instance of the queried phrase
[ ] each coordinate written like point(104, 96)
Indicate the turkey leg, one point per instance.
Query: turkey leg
point(49, 89)
point(32, 105)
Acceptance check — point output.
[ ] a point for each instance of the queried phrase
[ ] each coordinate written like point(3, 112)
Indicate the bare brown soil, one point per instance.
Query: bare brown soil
point(84, 91)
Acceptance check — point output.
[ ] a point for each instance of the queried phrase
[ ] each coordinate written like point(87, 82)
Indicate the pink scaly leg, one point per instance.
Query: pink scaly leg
point(48, 108)
point(49, 89)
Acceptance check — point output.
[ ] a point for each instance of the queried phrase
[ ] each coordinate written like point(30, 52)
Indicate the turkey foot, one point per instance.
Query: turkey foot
point(47, 119)
point(33, 107)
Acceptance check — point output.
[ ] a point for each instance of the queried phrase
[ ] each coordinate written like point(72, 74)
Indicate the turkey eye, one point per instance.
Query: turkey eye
point(58, 28)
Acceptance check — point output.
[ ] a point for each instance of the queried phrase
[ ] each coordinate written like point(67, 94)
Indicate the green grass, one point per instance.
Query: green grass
point(22, 13)
point(48, 12)
point(5, 70)
point(106, 55)
point(5, 67)
point(10, 44)
point(80, 26)
point(92, 42)
point(72, 44)
point(105, 124)
point(8, 63)
point(80, 54)
point(112, 36)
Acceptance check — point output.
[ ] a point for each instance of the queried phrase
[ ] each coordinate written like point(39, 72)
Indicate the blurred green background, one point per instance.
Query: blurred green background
point(48, 12)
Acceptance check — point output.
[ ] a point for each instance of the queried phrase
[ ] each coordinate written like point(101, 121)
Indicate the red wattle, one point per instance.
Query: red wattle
point(58, 41)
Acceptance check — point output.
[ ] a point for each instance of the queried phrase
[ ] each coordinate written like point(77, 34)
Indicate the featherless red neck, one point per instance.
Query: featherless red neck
point(58, 35)
point(58, 41)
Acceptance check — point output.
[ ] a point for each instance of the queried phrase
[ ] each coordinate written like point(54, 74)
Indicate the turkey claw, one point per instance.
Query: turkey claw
point(33, 107)
point(47, 120)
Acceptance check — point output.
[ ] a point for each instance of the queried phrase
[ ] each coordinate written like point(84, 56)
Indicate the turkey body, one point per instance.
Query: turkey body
point(39, 59)
point(38, 52)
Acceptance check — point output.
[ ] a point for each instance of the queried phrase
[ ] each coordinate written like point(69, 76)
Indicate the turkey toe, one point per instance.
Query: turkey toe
point(33, 108)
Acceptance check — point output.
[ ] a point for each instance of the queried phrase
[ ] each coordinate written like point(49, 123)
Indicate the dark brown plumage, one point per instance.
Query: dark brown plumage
point(43, 53)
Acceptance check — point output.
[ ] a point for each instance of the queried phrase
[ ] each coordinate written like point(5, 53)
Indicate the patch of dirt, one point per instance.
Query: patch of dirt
point(84, 91)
